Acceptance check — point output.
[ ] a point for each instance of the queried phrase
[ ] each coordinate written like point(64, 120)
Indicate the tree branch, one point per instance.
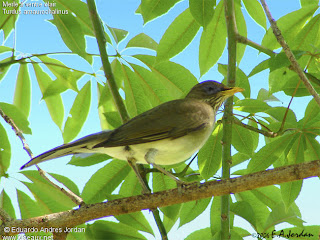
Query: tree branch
point(295, 65)
point(190, 192)
point(244, 40)
point(99, 33)
point(228, 115)
point(76, 199)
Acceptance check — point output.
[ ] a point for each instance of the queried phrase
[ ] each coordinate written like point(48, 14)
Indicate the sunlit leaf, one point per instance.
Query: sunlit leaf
point(104, 181)
point(144, 41)
point(17, 116)
point(78, 113)
point(44, 193)
point(242, 139)
point(22, 93)
point(209, 156)
point(268, 154)
point(150, 9)
point(202, 11)
point(213, 40)
point(289, 25)
point(6, 204)
point(54, 103)
point(71, 33)
point(290, 191)
point(251, 105)
point(255, 11)
point(190, 210)
point(112, 230)
point(177, 36)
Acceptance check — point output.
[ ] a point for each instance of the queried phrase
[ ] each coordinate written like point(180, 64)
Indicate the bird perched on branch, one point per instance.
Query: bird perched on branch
point(164, 135)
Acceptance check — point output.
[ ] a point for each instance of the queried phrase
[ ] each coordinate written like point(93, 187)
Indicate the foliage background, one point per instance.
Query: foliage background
point(36, 36)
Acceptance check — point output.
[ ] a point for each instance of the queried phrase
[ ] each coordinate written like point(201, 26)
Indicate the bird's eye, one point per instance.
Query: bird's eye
point(211, 90)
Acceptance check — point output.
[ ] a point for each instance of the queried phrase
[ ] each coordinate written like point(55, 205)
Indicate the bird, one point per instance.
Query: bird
point(167, 134)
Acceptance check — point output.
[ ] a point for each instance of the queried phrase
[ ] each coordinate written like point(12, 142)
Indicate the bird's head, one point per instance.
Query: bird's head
point(213, 92)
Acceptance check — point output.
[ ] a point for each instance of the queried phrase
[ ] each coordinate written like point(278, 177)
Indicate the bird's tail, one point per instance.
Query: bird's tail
point(81, 145)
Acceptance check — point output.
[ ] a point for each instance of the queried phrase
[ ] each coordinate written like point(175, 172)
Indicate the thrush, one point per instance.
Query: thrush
point(164, 135)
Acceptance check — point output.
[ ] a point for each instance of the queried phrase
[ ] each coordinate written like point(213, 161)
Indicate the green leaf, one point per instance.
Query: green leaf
point(255, 11)
point(111, 230)
point(279, 78)
point(279, 215)
point(209, 156)
point(54, 103)
point(71, 33)
point(136, 220)
point(131, 185)
point(279, 112)
point(66, 182)
point(308, 37)
point(118, 34)
point(78, 113)
point(290, 191)
point(242, 29)
point(312, 148)
point(17, 116)
point(251, 105)
point(28, 207)
point(176, 80)
point(143, 41)
point(6, 204)
point(66, 78)
point(268, 154)
point(5, 65)
point(204, 233)
point(22, 93)
point(244, 210)
point(177, 36)
point(202, 11)
point(312, 113)
point(80, 9)
point(260, 210)
point(242, 139)
point(213, 40)
point(44, 193)
point(136, 100)
point(289, 25)
point(259, 68)
point(5, 151)
point(281, 60)
point(265, 96)
point(191, 210)
point(85, 160)
point(105, 181)
point(150, 9)
point(8, 21)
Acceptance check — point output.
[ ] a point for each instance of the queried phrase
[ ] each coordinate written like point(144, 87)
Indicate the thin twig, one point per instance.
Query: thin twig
point(244, 40)
point(295, 65)
point(263, 132)
point(76, 199)
point(17, 131)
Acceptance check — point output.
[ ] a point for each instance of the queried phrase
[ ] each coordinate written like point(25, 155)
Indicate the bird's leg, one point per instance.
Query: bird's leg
point(149, 157)
point(133, 165)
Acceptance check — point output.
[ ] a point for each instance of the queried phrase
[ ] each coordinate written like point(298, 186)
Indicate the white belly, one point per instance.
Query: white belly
point(169, 151)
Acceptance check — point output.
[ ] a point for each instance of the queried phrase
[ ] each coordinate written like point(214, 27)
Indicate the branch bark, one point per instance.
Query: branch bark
point(190, 192)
